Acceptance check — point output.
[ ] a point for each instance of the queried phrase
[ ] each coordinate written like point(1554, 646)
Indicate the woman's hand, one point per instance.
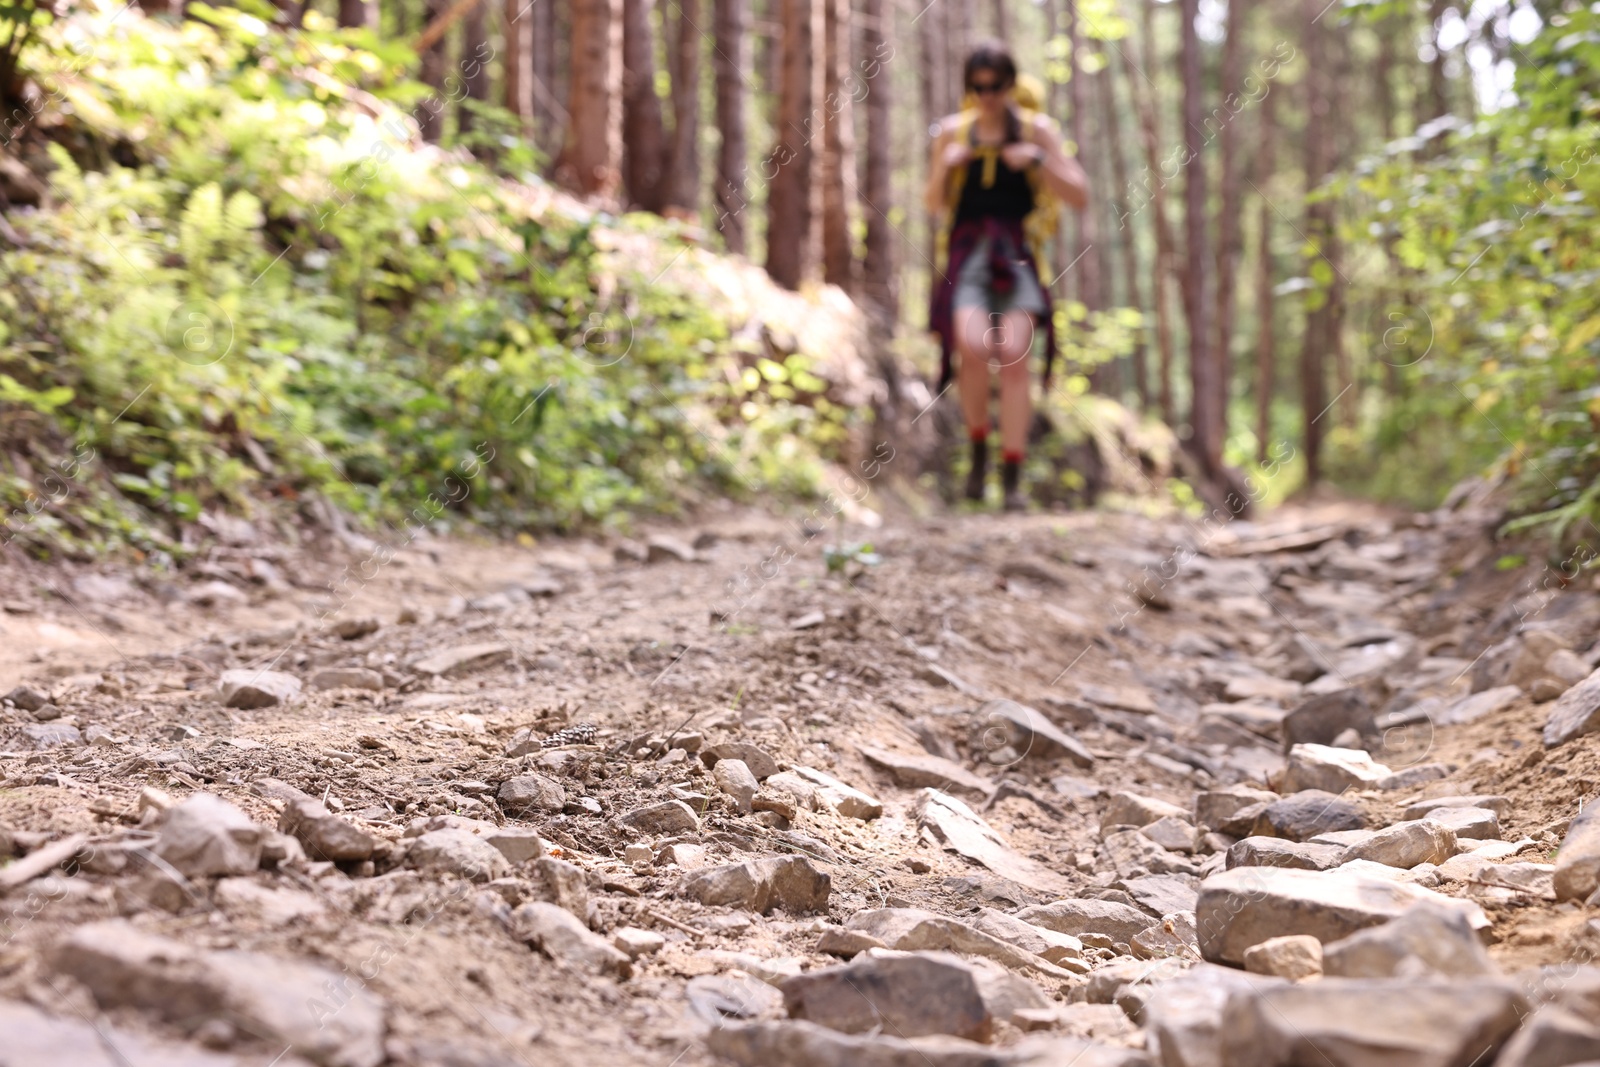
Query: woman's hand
point(956, 154)
point(1020, 155)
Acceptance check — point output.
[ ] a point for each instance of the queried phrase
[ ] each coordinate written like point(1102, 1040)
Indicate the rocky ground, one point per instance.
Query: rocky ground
point(1092, 789)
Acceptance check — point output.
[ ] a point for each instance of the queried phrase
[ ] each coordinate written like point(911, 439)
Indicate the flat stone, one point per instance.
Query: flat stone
point(1478, 705)
point(1405, 844)
point(837, 941)
point(1307, 814)
point(1262, 720)
point(564, 938)
point(34, 1039)
point(206, 836)
point(635, 942)
point(1174, 937)
point(459, 852)
point(1331, 770)
point(1028, 732)
point(733, 777)
point(959, 828)
point(1276, 852)
point(844, 799)
point(787, 882)
point(1078, 917)
point(1232, 810)
point(1577, 712)
point(43, 736)
point(564, 885)
point(243, 898)
point(323, 835)
point(462, 659)
point(347, 678)
point(324, 1015)
point(913, 930)
point(1183, 1017)
point(1049, 945)
point(1172, 833)
point(1501, 806)
point(1130, 809)
point(1133, 854)
point(760, 762)
point(1247, 905)
point(528, 793)
point(910, 994)
point(1370, 1023)
point(915, 770)
point(1553, 1037)
point(1477, 824)
point(798, 1043)
point(1425, 938)
point(27, 698)
point(662, 549)
point(1411, 777)
point(1161, 894)
point(667, 817)
point(1261, 687)
point(249, 688)
point(1295, 957)
point(1578, 858)
point(518, 844)
point(1322, 718)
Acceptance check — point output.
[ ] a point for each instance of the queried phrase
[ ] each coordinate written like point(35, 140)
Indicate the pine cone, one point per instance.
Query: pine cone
point(582, 733)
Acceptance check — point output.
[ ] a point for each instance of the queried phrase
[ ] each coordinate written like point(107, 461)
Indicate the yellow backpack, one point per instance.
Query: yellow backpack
point(1044, 221)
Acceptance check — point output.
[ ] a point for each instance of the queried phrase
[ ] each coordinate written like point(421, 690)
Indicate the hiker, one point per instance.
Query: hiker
point(997, 182)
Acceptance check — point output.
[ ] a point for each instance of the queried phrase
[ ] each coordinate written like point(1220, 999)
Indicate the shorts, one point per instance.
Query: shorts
point(975, 286)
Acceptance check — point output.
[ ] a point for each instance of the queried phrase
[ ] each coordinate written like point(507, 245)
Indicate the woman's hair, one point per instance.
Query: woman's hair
point(990, 56)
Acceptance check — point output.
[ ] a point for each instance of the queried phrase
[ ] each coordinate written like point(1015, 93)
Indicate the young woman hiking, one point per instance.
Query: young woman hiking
point(997, 179)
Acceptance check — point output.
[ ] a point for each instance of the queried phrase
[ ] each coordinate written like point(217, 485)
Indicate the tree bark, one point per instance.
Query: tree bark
point(644, 135)
point(1438, 99)
point(1313, 388)
point(684, 188)
point(430, 113)
point(838, 161)
point(549, 112)
point(358, 14)
point(1208, 394)
point(475, 57)
point(1154, 187)
point(591, 158)
point(789, 199)
point(1266, 337)
point(517, 31)
point(1119, 205)
point(1087, 265)
point(878, 278)
point(1230, 239)
point(930, 86)
point(1002, 25)
point(731, 58)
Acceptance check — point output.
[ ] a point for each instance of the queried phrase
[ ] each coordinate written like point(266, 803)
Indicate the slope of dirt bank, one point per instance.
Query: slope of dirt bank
point(1154, 662)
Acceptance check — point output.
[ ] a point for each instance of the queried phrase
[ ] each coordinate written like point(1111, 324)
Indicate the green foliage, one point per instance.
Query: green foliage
point(249, 281)
point(1488, 334)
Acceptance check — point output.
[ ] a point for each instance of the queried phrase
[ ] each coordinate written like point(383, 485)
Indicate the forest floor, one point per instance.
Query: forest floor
point(443, 932)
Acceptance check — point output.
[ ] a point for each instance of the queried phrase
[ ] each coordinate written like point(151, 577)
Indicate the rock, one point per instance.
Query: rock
point(1414, 776)
point(1049, 945)
point(564, 885)
point(1183, 1017)
point(326, 1016)
point(564, 938)
point(847, 800)
point(667, 817)
point(911, 994)
point(242, 898)
point(1276, 852)
point(912, 929)
point(1577, 712)
point(1517, 660)
point(1173, 834)
point(1476, 824)
point(837, 941)
point(1120, 922)
point(461, 659)
point(1553, 1037)
point(662, 548)
point(1322, 718)
point(636, 942)
point(789, 882)
point(1028, 732)
point(34, 1039)
point(1474, 707)
point(1160, 894)
point(1294, 957)
point(733, 777)
point(206, 836)
point(1232, 810)
point(355, 629)
point(1370, 1023)
point(1578, 859)
point(528, 793)
point(1501, 806)
point(1305, 815)
point(1173, 938)
point(324, 835)
point(26, 698)
point(1130, 809)
point(1332, 770)
point(1248, 905)
point(43, 736)
point(760, 762)
point(1134, 854)
point(1544, 690)
point(1406, 844)
point(959, 828)
point(1260, 687)
point(347, 678)
point(518, 844)
point(251, 688)
point(917, 770)
point(805, 1044)
point(458, 852)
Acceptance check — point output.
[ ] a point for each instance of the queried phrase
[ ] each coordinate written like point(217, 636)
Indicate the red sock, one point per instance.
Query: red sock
point(1012, 455)
point(979, 435)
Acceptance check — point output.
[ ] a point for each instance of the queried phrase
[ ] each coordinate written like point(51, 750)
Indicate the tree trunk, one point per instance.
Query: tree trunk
point(517, 31)
point(591, 158)
point(1002, 25)
point(1208, 394)
point(838, 162)
point(789, 201)
point(430, 113)
point(878, 276)
point(358, 14)
point(1088, 266)
point(1313, 388)
point(684, 186)
point(1266, 339)
point(930, 85)
point(644, 136)
point(549, 112)
point(1438, 100)
point(1230, 240)
point(1166, 255)
point(475, 57)
point(731, 58)
point(1340, 139)
point(1119, 205)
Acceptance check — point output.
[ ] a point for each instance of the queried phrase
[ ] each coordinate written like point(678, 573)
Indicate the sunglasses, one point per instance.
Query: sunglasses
point(987, 88)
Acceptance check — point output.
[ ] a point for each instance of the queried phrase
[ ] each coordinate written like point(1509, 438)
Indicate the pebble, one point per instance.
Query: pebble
point(27, 698)
point(457, 852)
point(734, 778)
point(1575, 713)
point(845, 800)
point(667, 817)
point(1405, 845)
point(760, 885)
point(567, 940)
point(1307, 814)
point(1276, 852)
point(1086, 916)
point(564, 885)
point(347, 678)
point(1027, 732)
point(1577, 872)
point(462, 659)
point(206, 836)
point(250, 688)
point(909, 994)
point(518, 844)
point(324, 835)
point(530, 793)
point(1295, 957)
point(914, 770)
point(49, 735)
point(1331, 770)
point(636, 942)
point(1322, 718)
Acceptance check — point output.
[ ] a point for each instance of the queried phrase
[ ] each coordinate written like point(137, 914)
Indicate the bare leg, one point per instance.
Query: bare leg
point(1014, 345)
point(971, 323)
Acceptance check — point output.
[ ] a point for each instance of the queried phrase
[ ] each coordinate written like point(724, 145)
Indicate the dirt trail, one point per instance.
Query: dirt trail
point(865, 698)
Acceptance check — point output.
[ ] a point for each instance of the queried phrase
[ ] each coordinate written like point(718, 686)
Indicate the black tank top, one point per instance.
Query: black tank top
point(1010, 197)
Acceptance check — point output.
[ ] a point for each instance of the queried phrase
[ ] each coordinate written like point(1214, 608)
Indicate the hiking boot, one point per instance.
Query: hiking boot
point(978, 473)
point(1011, 485)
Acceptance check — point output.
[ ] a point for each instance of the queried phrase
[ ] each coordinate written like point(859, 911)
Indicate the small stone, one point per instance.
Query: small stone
point(1578, 860)
point(458, 852)
point(912, 994)
point(251, 688)
point(44, 736)
point(760, 762)
point(733, 777)
point(1322, 718)
point(667, 817)
point(347, 678)
point(1232, 810)
point(1130, 809)
point(844, 799)
point(1475, 824)
point(244, 898)
point(1026, 732)
point(1405, 845)
point(639, 855)
point(838, 941)
point(661, 549)
point(1501, 806)
point(354, 629)
point(789, 882)
point(1295, 957)
point(1172, 833)
point(1276, 852)
point(462, 659)
point(1553, 1037)
point(518, 844)
point(528, 793)
point(919, 770)
point(325, 835)
point(564, 938)
point(26, 698)
point(1478, 705)
point(636, 942)
point(1049, 945)
point(47, 713)
point(1332, 770)
point(1307, 814)
point(564, 885)
point(1078, 917)
point(1577, 712)
point(206, 836)
point(1173, 938)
